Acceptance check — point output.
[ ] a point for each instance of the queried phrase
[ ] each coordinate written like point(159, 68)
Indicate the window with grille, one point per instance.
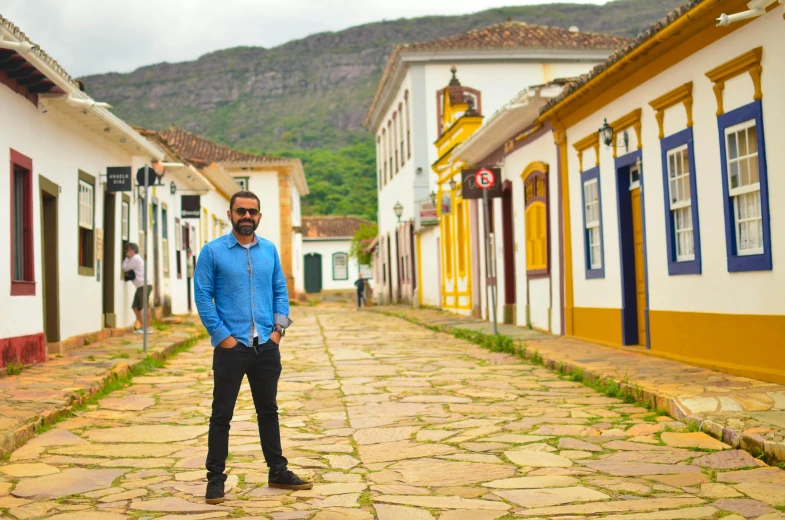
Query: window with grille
point(85, 219)
point(165, 239)
point(400, 133)
point(681, 204)
point(340, 266)
point(680, 199)
point(125, 216)
point(408, 128)
point(744, 187)
point(592, 223)
point(460, 222)
point(536, 223)
point(22, 269)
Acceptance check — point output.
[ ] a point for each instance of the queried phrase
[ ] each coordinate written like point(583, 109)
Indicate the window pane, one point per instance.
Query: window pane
point(752, 136)
point(19, 237)
point(745, 172)
point(732, 149)
point(742, 138)
point(734, 175)
point(754, 172)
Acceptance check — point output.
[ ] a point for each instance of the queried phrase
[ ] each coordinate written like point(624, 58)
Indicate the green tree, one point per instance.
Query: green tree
point(362, 238)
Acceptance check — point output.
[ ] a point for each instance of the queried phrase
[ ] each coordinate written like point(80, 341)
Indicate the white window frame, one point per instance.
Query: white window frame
point(592, 209)
point(345, 259)
point(86, 192)
point(680, 203)
point(125, 217)
point(747, 191)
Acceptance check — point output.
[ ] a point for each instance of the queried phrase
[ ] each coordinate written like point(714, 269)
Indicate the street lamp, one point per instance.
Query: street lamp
point(172, 188)
point(453, 184)
point(398, 208)
point(606, 132)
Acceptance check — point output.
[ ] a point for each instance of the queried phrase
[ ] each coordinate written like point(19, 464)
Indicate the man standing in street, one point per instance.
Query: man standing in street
point(133, 263)
point(240, 292)
point(360, 283)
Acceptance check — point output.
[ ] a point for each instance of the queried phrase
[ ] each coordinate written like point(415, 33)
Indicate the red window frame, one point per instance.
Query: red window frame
point(23, 287)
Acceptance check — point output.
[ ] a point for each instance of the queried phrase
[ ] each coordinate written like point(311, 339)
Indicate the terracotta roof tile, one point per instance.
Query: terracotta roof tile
point(331, 226)
point(520, 35)
point(202, 152)
point(510, 35)
point(627, 49)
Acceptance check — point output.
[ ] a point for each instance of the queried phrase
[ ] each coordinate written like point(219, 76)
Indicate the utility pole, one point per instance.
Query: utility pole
point(146, 297)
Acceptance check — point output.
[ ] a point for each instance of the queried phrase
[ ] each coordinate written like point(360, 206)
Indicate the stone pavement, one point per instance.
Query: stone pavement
point(394, 422)
point(745, 413)
point(43, 391)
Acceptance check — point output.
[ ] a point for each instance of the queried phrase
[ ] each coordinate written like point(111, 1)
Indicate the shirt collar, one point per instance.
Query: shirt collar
point(233, 240)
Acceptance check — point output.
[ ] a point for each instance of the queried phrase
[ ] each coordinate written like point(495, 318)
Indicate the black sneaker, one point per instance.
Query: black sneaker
point(285, 479)
point(215, 491)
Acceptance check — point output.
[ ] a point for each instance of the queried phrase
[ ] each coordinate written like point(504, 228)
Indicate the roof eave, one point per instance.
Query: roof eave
point(400, 59)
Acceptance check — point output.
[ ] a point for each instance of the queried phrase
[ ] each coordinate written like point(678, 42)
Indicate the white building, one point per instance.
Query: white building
point(326, 263)
point(68, 227)
point(407, 117)
point(278, 182)
point(64, 234)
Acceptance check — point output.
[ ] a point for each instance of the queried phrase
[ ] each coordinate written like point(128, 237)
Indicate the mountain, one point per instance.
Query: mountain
point(307, 98)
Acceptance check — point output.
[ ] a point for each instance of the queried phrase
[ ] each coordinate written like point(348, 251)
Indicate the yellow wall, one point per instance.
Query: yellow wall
point(720, 341)
point(598, 325)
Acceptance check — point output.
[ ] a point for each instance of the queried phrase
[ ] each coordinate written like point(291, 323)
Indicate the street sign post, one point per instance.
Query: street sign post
point(486, 180)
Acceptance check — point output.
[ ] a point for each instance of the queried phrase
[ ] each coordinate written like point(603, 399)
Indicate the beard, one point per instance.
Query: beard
point(245, 226)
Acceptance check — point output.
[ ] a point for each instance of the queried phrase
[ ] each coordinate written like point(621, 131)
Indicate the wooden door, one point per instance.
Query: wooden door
point(313, 273)
point(640, 279)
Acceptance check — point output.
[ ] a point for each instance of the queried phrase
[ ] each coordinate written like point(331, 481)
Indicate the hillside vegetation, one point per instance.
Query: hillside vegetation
point(307, 98)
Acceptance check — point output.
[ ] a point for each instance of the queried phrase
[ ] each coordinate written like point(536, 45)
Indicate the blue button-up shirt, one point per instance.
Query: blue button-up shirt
point(237, 289)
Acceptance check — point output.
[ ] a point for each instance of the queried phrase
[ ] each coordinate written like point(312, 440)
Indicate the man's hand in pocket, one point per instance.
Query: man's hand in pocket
point(228, 343)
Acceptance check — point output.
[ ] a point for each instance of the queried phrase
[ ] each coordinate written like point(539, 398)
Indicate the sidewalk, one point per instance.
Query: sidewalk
point(745, 413)
point(41, 393)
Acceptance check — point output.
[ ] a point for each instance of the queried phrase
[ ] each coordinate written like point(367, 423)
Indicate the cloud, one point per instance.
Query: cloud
point(97, 36)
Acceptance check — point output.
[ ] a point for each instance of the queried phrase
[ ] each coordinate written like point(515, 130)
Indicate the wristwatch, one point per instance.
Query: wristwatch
point(280, 329)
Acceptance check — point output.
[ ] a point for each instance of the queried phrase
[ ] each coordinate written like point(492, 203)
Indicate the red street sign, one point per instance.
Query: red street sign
point(484, 179)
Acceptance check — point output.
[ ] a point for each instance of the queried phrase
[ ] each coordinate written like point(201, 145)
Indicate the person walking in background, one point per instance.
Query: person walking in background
point(360, 283)
point(133, 267)
point(240, 293)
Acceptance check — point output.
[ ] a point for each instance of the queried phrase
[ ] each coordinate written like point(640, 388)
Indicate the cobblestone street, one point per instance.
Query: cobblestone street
point(391, 421)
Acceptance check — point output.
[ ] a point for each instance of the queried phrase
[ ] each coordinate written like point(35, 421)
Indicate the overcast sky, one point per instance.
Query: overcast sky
point(95, 36)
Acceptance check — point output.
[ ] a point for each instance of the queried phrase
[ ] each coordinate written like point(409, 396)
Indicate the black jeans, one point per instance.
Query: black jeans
point(263, 370)
point(361, 299)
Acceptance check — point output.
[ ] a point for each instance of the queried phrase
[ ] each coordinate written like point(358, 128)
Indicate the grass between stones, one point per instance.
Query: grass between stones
point(116, 381)
point(618, 388)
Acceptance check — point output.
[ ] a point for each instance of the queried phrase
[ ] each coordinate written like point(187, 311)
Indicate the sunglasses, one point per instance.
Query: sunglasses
point(242, 211)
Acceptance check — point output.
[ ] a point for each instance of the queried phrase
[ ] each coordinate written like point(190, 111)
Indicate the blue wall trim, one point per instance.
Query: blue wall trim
point(692, 266)
point(736, 262)
point(588, 175)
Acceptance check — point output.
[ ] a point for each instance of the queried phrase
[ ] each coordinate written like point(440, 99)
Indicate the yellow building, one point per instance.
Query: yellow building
point(459, 120)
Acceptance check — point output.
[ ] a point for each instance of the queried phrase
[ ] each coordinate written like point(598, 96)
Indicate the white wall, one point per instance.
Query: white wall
point(327, 248)
point(58, 148)
point(544, 293)
point(716, 290)
point(265, 186)
point(430, 260)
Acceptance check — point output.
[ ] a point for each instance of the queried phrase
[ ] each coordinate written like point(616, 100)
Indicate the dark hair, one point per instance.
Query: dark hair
point(131, 245)
point(244, 195)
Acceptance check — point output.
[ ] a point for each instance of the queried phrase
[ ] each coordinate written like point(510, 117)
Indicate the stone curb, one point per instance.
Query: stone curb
point(13, 440)
point(774, 452)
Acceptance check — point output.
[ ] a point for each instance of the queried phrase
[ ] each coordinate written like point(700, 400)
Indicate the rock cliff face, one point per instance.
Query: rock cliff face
point(308, 97)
